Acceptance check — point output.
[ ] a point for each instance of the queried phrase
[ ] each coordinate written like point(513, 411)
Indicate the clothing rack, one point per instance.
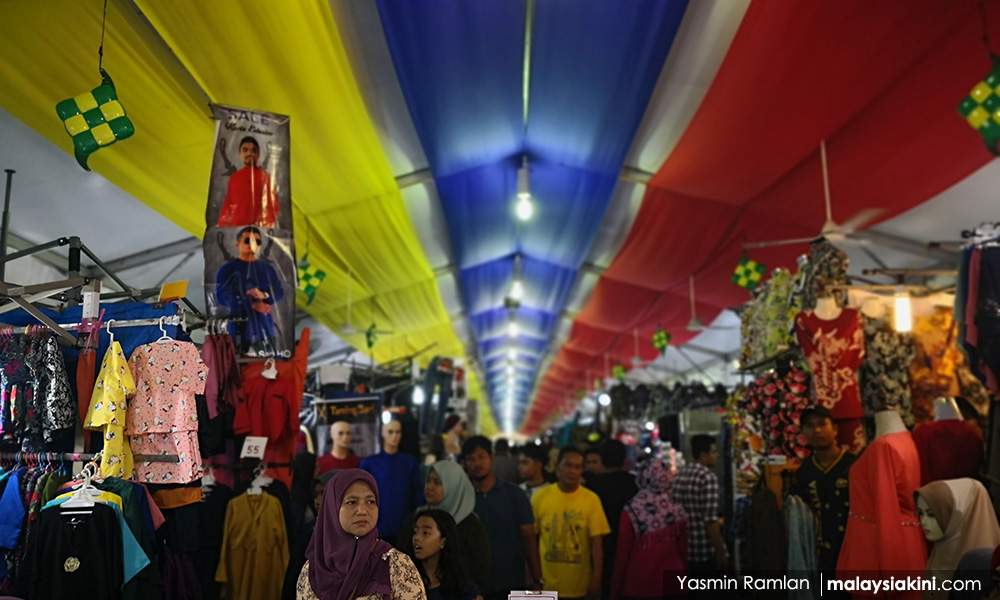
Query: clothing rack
point(80, 457)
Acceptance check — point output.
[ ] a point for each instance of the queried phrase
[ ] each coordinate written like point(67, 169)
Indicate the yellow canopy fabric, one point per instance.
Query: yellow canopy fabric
point(285, 58)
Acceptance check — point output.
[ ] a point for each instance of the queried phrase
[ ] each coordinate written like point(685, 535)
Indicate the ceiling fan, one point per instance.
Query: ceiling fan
point(347, 328)
point(833, 232)
point(695, 323)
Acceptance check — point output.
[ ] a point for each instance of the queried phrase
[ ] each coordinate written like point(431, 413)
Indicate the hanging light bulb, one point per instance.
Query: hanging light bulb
point(517, 290)
point(386, 417)
point(418, 396)
point(512, 329)
point(512, 354)
point(525, 209)
point(604, 399)
point(510, 370)
point(903, 314)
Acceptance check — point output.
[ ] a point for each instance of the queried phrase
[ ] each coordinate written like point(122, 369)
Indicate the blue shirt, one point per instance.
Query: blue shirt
point(11, 511)
point(503, 510)
point(400, 489)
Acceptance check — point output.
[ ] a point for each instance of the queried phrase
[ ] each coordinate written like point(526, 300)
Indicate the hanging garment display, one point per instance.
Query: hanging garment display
point(254, 548)
point(776, 400)
point(949, 449)
point(224, 387)
point(163, 415)
point(270, 409)
point(108, 412)
point(834, 350)
point(883, 533)
point(884, 373)
point(827, 265)
point(36, 406)
point(934, 370)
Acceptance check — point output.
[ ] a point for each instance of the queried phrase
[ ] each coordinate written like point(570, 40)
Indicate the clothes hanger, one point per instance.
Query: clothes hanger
point(111, 333)
point(85, 497)
point(164, 338)
point(260, 480)
point(270, 370)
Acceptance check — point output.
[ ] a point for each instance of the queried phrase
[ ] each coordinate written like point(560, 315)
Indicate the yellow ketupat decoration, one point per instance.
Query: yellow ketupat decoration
point(95, 119)
point(310, 277)
point(981, 108)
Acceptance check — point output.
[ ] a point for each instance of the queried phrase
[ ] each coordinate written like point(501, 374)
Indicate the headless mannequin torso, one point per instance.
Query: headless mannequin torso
point(827, 309)
point(888, 421)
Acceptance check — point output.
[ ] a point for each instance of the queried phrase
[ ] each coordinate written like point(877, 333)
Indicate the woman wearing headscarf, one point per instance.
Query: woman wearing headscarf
point(957, 515)
point(652, 538)
point(345, 559)
point(448, 488)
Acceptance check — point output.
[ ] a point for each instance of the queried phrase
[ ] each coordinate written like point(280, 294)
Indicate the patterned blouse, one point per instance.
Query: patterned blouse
point(404, 579)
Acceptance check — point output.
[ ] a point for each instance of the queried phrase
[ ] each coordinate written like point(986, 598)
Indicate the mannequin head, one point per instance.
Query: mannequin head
point(340, 433)
point(928, 522)
point(392, 435)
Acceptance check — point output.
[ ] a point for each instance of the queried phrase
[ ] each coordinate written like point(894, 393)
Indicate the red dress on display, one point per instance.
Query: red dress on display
point(883, 533)
point(834, 350)
point(949, 449)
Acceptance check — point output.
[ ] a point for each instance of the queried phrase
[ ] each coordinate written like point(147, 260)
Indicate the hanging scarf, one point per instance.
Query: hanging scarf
point(459, 495)
point(654, 516)
point(963, 509)
point(342, 566)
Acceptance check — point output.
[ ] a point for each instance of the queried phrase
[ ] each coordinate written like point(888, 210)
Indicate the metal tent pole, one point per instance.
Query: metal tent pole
point(6, 222)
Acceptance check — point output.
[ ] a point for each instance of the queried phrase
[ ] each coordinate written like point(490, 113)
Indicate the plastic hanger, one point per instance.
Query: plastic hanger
point(270, 370)
point(85, 496)
point(260, 480)
point(164, 338)
point(208, 480)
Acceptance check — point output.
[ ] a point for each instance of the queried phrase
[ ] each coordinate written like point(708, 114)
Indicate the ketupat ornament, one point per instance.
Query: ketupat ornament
point(309, 278)
point(618, 372)
point(981, 108)
point(661, 339)
point(95, 119)
point(748, 273)
point(370, 336)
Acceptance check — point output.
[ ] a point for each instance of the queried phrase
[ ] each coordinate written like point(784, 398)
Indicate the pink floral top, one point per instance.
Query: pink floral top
point(167, 377)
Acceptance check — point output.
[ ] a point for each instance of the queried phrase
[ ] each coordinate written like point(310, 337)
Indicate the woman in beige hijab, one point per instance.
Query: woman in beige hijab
point(957, 515)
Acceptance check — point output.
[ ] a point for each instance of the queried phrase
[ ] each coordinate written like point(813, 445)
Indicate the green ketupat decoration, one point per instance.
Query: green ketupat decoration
point(618, 372)
point(981, 108)
point(748, 273)
point(370, 336)
point(661, 339)
point(95, 119)
point(309, 278)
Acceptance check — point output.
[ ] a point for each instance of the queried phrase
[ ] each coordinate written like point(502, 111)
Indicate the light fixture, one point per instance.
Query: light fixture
point(418, 396)
point(525, 209)
point(512, 329)
point(512, 354)
point(604, 399)
point(903, 315)
point(510, 369)
point(517, 290)
point(386, 417)
point(650, 425)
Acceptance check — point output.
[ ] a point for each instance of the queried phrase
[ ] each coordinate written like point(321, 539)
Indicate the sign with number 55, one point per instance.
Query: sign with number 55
point(254, 447)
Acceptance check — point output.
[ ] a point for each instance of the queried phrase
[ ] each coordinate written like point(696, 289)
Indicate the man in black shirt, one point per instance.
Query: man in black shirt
point(822, 483)
point(615, 487)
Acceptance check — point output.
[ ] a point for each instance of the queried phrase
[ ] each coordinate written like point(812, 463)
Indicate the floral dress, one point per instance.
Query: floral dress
point(108, 412)
point(163, 417)
point(776, 402)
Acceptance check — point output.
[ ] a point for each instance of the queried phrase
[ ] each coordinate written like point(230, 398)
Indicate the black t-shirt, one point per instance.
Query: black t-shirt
point(614, 489)
point(826, 493)
point(80, 555)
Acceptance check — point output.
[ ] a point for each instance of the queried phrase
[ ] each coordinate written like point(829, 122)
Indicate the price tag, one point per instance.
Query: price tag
point(253, 447)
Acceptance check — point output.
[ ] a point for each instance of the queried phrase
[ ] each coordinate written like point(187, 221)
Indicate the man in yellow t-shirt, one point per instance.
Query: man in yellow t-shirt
point(570, 525)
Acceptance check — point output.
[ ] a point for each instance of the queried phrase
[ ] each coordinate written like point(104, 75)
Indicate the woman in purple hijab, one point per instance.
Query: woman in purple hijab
point(346, 560)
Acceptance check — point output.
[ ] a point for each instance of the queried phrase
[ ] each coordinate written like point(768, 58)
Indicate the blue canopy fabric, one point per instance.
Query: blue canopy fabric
point(594, 65)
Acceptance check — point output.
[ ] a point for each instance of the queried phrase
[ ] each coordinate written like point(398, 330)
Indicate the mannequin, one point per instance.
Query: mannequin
point(833, 342)
point(957, 515)
point(949, 447)
point(827, 308)
point(883, 534)
point(886, 422)
point(340, 456)
point(945, 409)
point(397, 474)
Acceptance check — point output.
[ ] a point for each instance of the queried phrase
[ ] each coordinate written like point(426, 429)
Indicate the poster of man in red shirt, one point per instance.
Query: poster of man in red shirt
point(250, 197)
point(250, 267)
